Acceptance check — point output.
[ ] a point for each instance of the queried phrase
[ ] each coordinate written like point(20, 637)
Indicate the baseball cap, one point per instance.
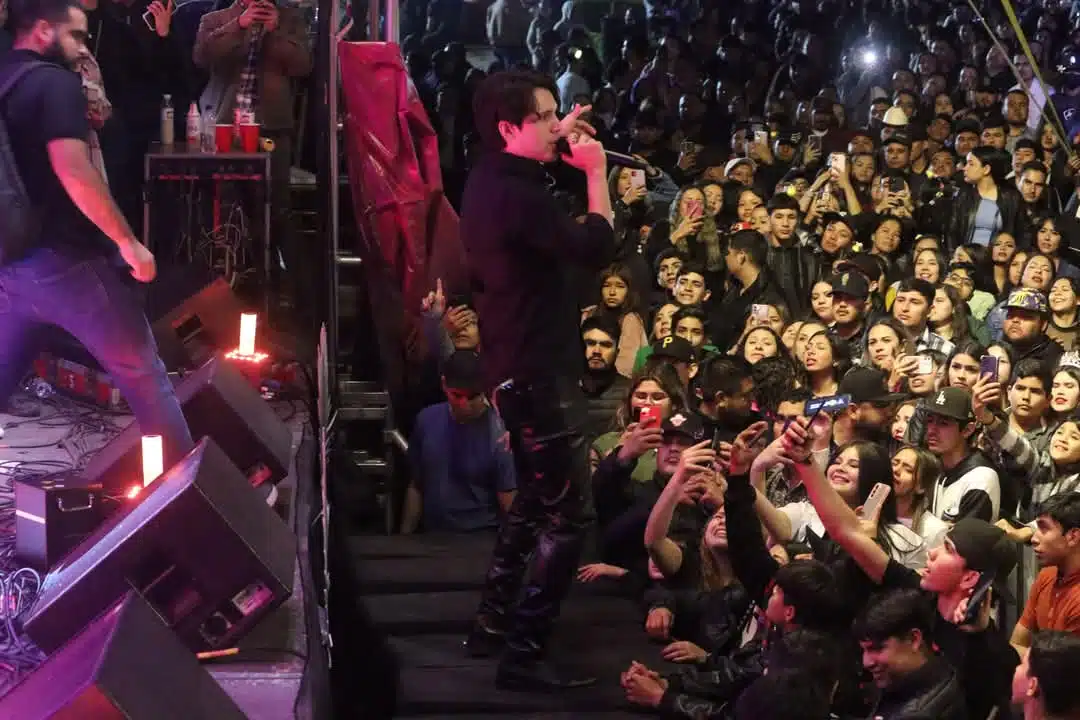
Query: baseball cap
point(852, 284)
point(863, 263)
point(985, 548)
point(674, 347)
point(789, 136)
point(851, 221)
point(900, 137)
point(461, 371)
point(1028, 299)
point(950, 402)
point(684, 424)
point(867, 384)
point(736, 162)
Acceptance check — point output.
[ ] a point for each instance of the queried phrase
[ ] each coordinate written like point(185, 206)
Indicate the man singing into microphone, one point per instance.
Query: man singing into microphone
point(518, 241)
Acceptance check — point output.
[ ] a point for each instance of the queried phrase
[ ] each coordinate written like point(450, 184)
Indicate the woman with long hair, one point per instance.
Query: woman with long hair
point(948, 316)
point(912, 528)
point(1064, 393)
point(1064, 325)
point(691, 230)
point(987, 204)
point(825, 360)
point(1037, 273)
point(887, 340)
point(1051, 233)
point(760, 343)
point(962, 367)
point(1002, 250)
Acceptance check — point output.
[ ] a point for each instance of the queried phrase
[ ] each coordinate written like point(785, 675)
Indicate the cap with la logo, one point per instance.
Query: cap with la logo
point(950, 402)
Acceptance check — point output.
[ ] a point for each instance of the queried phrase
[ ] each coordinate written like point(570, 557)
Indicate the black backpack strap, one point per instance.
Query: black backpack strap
point(18, 74)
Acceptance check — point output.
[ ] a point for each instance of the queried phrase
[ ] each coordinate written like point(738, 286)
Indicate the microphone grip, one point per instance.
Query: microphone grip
point(562, 146)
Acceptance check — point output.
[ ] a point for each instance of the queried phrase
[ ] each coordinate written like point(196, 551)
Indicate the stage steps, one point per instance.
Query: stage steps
point(421, 591)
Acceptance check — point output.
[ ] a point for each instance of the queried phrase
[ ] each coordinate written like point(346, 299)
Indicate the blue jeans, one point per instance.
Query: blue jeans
point(91, 300)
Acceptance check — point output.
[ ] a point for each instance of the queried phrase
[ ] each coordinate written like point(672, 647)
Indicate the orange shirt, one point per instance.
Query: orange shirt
point(1054, 603)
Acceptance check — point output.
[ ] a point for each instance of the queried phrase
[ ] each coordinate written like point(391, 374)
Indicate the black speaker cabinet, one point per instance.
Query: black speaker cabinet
point(198, 544)
point(125, 665)
point(192, 315)
point(53, 515)
point(218, 403)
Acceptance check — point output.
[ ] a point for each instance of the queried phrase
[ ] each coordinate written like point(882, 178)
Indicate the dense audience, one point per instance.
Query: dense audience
point(833, 376)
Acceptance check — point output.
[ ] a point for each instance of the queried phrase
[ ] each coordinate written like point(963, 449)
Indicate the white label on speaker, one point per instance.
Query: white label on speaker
point(251, 598)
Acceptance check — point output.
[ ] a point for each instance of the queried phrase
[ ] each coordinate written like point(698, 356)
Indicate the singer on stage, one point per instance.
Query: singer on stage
point(518, 242)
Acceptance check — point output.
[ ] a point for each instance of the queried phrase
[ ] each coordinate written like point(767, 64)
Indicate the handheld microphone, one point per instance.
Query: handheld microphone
point(613, 158)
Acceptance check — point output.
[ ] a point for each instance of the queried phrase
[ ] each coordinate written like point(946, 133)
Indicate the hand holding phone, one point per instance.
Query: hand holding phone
point(878, 494)
point(925, 366)
point(637, 179)
point(988, 366)
point(977, 603)
point(760, 314)
point(649, 416)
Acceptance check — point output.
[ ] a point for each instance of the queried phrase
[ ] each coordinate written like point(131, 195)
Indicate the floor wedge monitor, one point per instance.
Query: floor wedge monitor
point(198, 543)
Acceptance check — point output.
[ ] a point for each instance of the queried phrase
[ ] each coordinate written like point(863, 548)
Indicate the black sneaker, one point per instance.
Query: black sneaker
point(531, 674)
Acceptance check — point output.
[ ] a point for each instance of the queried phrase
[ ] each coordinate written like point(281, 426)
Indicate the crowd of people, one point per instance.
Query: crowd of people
point(833, 374)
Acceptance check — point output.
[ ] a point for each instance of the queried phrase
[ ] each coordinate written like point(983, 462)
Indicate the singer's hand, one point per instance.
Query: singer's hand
point(586, 154)
point(572, 124)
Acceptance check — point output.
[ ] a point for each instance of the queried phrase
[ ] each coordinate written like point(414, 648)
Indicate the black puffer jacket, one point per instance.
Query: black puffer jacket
point(795, 269)
point(930, 693)
point(966, 203)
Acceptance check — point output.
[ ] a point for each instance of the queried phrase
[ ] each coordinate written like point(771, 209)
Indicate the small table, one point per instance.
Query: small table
point(167, 166)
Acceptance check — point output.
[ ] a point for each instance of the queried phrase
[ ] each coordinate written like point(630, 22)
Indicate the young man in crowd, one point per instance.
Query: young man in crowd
point(895, 634)
point(605, 389)
point(690, 288)
point(912, 308)
point(969, 486)
point(747, 255)
point(1027, 313)
point(1044, 686)
point(1054, 600)
point(849, 304)
point(461, 474)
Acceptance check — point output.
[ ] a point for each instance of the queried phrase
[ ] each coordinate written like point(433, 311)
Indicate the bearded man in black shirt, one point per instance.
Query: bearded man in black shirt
point(518, 243)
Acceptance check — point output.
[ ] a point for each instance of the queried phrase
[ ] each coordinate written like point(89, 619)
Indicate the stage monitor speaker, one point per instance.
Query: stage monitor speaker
point(219, 403)
point(192, 315)
point(198, 544)
point(125, 665)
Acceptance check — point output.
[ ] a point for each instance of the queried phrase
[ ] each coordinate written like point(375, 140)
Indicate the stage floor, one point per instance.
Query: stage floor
point(264, 679)
point(421, 592)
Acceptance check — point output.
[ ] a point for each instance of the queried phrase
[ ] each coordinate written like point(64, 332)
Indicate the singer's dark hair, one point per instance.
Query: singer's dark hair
point(507, 96)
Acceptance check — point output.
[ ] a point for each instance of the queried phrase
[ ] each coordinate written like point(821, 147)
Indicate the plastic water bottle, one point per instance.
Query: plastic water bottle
point(194, 128)
point(168, 128)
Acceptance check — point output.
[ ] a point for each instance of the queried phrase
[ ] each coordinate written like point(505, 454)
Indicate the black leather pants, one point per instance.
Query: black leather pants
point(548, 518)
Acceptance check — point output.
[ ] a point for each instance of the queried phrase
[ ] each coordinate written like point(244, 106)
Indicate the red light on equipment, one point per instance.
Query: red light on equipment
point(133, 491)
point(246, 349)
point(152, 462)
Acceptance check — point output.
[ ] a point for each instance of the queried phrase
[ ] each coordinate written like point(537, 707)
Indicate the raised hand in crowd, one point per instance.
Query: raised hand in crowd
point(745, 446)
point(262, 13)
point(639, 439)
point(634, 194)
point(435, 301)
point(985, 395)
point(162, 14)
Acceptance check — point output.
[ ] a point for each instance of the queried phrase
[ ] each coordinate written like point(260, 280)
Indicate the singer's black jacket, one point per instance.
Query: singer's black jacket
point(518, 243)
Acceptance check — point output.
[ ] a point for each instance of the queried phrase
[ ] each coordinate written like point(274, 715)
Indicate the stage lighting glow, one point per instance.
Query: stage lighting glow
point(153, 463)
point(248, 322)
point(133, 491)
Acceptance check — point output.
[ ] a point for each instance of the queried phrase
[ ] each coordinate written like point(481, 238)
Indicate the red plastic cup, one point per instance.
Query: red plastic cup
point(223, 138)
point(249, 137)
